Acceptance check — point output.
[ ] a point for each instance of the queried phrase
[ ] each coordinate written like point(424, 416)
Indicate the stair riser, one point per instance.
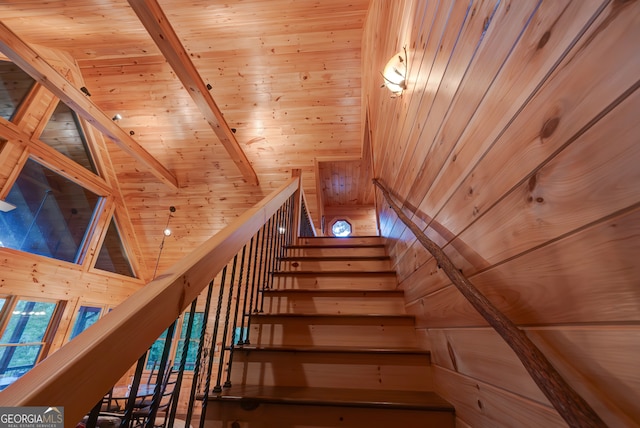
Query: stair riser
point(333, 370)
point(334, 242)
point(356, 240)
point(223, 415)
point(337, 252)
point(334, 305)
point(383, 282)
point(336, 265)
point(299, 334)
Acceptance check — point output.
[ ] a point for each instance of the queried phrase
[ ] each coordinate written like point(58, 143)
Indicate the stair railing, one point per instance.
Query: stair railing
point(82, 372)
point(569, 404)
point(306, 223)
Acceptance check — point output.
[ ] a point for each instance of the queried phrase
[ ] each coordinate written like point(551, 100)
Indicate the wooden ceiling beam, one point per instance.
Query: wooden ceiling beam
point(159, 28)
point(25, 57)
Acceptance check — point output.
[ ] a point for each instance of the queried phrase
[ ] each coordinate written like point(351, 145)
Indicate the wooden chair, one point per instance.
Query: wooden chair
point(108, 403)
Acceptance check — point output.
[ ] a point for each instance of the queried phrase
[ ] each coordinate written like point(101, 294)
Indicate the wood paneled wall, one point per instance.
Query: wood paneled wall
point(515, 147)
point(32, 276)
point(362, 219)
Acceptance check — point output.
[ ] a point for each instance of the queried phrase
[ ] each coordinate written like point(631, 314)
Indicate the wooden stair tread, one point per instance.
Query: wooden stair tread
point(329, 246)
point(331, 258)
point(334, 273)
point(341, 316)
point(342, 292)
point(334, 349)
point(343, 397)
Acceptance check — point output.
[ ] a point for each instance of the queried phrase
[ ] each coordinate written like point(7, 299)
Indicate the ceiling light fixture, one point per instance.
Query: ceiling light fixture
point(5, 207)
point(166, 232)
point(395, 73)
point(116, 117)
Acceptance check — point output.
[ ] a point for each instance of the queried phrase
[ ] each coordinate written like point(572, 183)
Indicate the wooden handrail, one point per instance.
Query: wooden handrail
point(569, 404)
point(306, 213)
point(79, 373)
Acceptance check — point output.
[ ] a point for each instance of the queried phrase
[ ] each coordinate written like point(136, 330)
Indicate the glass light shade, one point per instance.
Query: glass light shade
point(395, 74)
point(167, 232)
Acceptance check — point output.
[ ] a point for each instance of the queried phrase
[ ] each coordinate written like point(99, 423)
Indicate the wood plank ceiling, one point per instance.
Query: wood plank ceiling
point(285, 74)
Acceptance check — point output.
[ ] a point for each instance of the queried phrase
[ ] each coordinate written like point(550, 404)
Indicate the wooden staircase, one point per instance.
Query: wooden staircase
point(333, 347)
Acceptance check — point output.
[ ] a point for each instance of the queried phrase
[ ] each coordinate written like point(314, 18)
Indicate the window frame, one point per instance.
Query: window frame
point(87, 240)
point(104, 309)
point(114, 216)
point(175, 340)
point(51, 329)
point(50, 158)
point(344, 219)
point(18, 112)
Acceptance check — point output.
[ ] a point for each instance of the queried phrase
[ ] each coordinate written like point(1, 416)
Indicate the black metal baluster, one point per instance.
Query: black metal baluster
point(288, 223)
point(254, 289)
point(263, 264)
point(185, 351)
point(218, 387)
point(157, 393)
point(267, 263)
point(277, 255)
point(282, 229)
point(213, 347)
point(92, 419)
point(274, 253)
point(244, 338)
point(196, 369)
point(279, 234)
point(133, 392)
point(227, 383)
point(292, 232)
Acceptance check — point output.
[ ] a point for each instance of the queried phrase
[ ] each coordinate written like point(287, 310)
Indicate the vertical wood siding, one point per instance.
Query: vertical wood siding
point(515, 148)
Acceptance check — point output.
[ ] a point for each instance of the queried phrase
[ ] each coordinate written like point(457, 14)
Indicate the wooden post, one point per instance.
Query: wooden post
point(571, 406)
point(159, 28)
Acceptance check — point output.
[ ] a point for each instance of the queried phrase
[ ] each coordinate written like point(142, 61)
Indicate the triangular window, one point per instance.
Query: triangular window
point(64, 134)
point(112, 256)
point(14, 86)
point(51, 217)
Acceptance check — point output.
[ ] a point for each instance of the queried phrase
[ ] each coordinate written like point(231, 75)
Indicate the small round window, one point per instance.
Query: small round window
point(341, 228)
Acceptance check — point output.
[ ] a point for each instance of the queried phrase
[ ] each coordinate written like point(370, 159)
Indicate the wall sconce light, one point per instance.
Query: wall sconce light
point(395, 73)
point(166, 232)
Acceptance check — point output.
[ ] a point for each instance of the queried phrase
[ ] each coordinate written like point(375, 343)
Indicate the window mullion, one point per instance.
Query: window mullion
point(52, 329)
point(5, 315)
point(92, 240)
